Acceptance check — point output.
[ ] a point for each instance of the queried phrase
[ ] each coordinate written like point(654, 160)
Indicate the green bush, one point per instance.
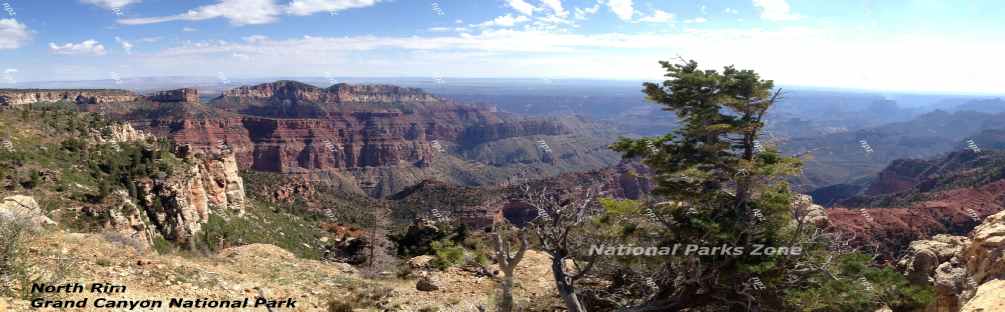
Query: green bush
point(14, 234)
point(447, 254)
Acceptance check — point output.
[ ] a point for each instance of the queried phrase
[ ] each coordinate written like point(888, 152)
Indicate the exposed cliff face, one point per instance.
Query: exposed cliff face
point(10, 97)
point(340, 93)
point(179, 204)
point(947, 212)
point(120, 133)
point(372, 135)
point(187, 95)
point(968, 272)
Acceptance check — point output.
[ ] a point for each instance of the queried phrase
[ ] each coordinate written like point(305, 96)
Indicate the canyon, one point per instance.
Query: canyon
point(374, 139)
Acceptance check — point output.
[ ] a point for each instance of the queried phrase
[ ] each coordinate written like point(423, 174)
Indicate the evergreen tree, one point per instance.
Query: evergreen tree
point(715, 186)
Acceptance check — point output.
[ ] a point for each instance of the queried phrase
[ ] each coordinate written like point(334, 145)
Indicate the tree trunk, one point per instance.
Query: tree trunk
point(506, 297)
point(564, 285)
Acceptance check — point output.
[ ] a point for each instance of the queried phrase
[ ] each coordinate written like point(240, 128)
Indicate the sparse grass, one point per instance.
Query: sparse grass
point(361, 295)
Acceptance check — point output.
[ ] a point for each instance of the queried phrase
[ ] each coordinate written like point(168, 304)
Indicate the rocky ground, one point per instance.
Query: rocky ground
point(241, 272)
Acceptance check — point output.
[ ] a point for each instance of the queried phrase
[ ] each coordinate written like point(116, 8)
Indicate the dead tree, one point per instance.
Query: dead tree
point(507, 260)
point(560, 216)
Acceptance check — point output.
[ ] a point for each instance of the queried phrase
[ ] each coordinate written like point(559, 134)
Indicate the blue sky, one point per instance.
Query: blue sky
point(903, 45)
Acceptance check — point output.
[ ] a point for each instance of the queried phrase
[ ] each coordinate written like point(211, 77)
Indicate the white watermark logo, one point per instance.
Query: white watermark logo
point(973, 146)
point(331, 78)
point(865, 146)
point(437, 9)
point(222, 78)
point(868, 217)
point(693, 250)
point(9, 9)
point(115, 77)
point(8, 75)
point(543, 146)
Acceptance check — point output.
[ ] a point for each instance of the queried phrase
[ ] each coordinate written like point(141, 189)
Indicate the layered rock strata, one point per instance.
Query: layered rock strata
point(13, 98)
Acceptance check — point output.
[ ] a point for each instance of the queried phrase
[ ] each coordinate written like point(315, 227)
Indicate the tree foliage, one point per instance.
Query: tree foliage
point(717, 185)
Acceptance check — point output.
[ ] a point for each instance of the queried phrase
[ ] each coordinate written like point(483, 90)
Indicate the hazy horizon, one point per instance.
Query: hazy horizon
point(851, 45)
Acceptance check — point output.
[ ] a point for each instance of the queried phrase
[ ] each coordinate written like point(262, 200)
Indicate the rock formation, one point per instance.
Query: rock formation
point(120, 133)
point(188, 95)
point(178, 205)
point(968, 273)
point(13, 98)
point(20, 208)
point(364, 132)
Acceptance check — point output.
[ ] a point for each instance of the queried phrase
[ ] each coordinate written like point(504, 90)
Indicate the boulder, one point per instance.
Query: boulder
point(923, 257)
point(20, 207)
point(427, 283)
point(420, 262)
point(968, 274)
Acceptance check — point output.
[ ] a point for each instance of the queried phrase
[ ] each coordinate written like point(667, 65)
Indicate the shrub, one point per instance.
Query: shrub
point(447, 254)
point(13, 265)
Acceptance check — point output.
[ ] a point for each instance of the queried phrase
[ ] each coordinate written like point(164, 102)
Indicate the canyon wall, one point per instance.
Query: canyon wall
point(12, 98)
point(294, 128)
point(188, 95)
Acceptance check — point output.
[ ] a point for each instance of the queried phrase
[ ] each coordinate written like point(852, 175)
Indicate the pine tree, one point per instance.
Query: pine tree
point(714, 188)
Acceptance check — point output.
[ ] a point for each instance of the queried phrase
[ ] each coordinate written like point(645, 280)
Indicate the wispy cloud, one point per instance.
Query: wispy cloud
point(522, 6)
point(111, 4)
point(507, 20)
point(254, 12)
point(128, 47)
point(519, 53)
point(658, 16)
point(238, 12)
point(624, 9)
point(776, 10)
point(87, 47)
point(696, 20)
point(308, 7)
point(583, 13)
point(13, 34)
point(556, 7)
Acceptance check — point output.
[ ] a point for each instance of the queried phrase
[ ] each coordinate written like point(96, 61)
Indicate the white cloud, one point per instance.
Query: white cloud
point(658, 16)
point(703, 9)
point(624, 9)
point(150, 39)
point(731, 11)
point(507, 20)
point(238, 12)
point(522, 6)
point(582, 14)
point(13, 34)
point(189, 29)
point(88, 47)
point(255, 38)
point(522, 53)
point(253, 12)
point(308, 7)
point(776, 10)
point(125, 45)
point(696, 20)
point(556, 7)
point(110, 4)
